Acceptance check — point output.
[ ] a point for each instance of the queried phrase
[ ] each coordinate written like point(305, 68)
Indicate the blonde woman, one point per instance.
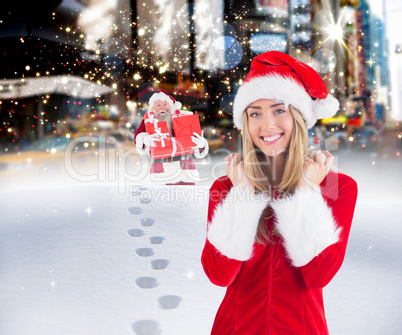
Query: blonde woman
point(279, 222)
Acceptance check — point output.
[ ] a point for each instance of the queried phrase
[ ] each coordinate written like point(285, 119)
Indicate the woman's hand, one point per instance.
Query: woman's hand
point(235, 171)
point(316, 167)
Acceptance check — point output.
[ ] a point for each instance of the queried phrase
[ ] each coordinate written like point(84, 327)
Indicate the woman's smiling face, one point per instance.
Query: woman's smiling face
point(270, 125)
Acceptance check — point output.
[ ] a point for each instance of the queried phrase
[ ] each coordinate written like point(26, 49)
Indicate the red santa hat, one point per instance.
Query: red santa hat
point(164, 96)
point(278, 76)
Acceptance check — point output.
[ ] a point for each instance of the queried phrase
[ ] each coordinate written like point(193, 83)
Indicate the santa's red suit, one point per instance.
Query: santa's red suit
point(173, 170)
point(276, 289)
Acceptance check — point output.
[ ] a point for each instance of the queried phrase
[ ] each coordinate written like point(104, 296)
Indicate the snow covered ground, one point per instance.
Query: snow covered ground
point(93, 260)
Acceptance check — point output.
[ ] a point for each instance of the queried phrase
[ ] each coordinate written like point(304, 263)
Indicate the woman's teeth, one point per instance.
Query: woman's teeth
point(271, 138)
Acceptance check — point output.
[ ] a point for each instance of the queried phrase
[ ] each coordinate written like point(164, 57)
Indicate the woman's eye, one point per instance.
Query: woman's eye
point(255, 114)
point(279, 111)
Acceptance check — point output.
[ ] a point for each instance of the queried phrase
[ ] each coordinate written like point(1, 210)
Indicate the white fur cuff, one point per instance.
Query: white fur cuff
point(306, 224)
point(235, 222)
point(139, 140)
point(202, 154)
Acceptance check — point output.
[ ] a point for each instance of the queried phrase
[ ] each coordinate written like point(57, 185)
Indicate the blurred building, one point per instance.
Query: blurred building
point(65, 61)
point(380, 59)
point(397, 83)
point(198, 50)
point(359, 77)
point(301, 26)
point(369, 98)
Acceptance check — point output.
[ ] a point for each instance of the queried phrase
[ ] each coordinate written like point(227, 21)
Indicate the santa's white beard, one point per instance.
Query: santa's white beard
point(167, 117)
point(169, 122)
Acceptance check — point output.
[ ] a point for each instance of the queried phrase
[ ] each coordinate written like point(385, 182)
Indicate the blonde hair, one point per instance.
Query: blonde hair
point(259, 172)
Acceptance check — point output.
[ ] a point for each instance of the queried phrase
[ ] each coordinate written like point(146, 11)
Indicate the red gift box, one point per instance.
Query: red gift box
point(176, 149)
point(163, 140)
point(150, 122)
point(186, 125)
point(153, 126)
point(184, 144)
point(163, 144)
point(158, 152)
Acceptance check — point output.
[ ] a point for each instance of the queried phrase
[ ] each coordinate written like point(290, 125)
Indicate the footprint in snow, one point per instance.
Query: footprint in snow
point(159, 264)
point(146, 222)
point(135, 232)
point(146, 327)
point(146, 282)
point(135, 210)
point(156, 239)
point(145, 252)
point(135, 190)
point(169, 301)
point(145, 197)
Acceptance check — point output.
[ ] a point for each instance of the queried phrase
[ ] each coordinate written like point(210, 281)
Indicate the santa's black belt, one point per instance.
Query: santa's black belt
point(172, 159)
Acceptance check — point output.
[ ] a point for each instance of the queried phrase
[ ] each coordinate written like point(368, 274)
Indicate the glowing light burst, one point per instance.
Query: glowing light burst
point(190, 274)
point(370, 62)
point(89, 211)
point(335, 32)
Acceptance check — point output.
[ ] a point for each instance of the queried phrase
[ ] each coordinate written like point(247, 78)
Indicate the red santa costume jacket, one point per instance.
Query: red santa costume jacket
point(180, 171)
point(276, 289)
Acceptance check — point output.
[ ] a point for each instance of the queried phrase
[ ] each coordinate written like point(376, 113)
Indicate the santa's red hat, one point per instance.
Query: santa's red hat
point(164, 96)
point(278, 76)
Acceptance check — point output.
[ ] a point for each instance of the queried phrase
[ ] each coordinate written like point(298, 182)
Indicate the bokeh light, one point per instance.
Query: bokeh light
point(226, 102)
point(227, 52)
point(324, 60)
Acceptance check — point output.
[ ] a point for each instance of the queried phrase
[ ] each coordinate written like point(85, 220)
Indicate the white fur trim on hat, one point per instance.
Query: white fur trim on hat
point(325, 108)
point(177, 105)
point(283, 89)
point(306, 224)
point(234, 225)
point(164, 97)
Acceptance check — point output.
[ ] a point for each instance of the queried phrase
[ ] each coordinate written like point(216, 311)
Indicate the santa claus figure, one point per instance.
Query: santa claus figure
point(177, 170)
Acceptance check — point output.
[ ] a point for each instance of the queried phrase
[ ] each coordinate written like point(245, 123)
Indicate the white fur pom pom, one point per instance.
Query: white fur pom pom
point(325, 108)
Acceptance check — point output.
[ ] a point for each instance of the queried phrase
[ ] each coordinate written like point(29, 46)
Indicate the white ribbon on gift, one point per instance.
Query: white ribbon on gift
point(162, 136)
point(174, 146)
point(182, 113)
point(151, 119)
